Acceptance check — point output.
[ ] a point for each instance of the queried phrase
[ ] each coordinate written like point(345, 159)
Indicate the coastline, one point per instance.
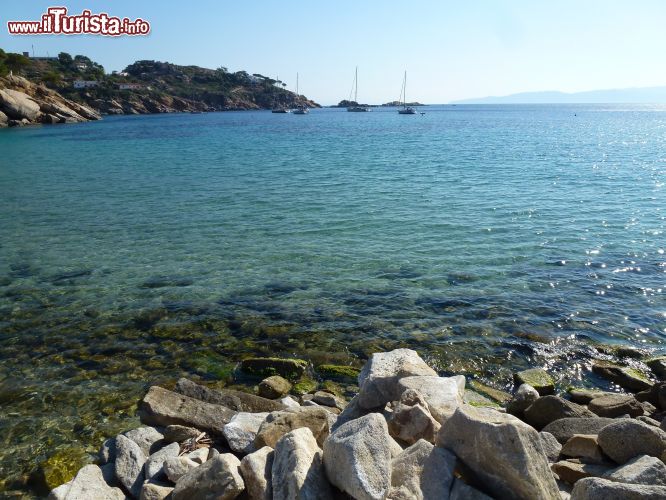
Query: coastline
point(325, 416)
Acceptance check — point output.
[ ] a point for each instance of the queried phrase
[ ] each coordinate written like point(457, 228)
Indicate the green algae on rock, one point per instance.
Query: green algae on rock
point(303, 386)
point(59, 468)
point(624, 376)
point(491, 393)
point(289, 368)
point(537, 378)
point(340, 373)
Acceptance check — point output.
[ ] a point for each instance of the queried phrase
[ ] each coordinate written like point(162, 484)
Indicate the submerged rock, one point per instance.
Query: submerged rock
point(217, 479)
point(658, 366)
point(504, 453)
point(378, 381)
point(357, 458)
point(422, 472)
point(291, 369)
point(162, 407)
point(256, 469)
point(627, 378)
point(538, 378)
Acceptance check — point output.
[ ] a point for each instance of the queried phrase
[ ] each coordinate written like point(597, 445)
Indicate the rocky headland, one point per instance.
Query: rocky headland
point(25, 103)
point(394, 430)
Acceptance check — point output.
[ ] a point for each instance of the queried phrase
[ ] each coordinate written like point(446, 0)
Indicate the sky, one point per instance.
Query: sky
point(450, 49)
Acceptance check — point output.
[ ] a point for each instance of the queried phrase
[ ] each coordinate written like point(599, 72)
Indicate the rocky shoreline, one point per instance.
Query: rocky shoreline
point(406, 433)
point(25, 103)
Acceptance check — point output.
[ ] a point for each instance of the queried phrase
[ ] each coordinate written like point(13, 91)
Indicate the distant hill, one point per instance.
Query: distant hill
point(152, 86)
point(631, 95)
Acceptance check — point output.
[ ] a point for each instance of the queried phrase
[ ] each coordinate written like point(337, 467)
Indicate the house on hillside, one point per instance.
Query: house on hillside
point(85, 84)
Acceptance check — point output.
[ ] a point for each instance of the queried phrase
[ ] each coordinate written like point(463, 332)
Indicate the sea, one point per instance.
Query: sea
point(489, 238)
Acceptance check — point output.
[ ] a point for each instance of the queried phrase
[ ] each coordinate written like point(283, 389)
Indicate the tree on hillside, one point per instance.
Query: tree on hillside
point(16, 62)
point(3, 68)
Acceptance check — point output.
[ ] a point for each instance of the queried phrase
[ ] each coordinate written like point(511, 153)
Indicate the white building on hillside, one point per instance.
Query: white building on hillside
point(85, 84)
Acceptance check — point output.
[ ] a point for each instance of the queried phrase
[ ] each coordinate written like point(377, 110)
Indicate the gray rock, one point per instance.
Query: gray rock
point(217, 479)
point(149, 439)
point(614, 405)
point(256, 469)
point(327, 399)
point(642, 469)
point(443, 394)
point(411, 419)
point(154, 491)
point(522, 399)
point(378, 381)
point(107, 452)
point(177, 467)
point(200, 455)
point(564, 428)
point(180, 433)
point(274, 387)
point(87, 484)
point(504, 453)
point(291, 369)
point(422, 472)
point(298, 471)
point(594, 488)
point(289, 402)
point(234, 400)
point(153, 469)
point(658, 366)
point(571, 471)
point(463, 491)
point(18, 106)
point(585, 447)
point(357, 457)
point(537, 378)
point(162, 407)
point(3, 120)
point(351, 412)
point(277, 424)
point(584, 396)
point(627, 378)
point(648, 420)
point(109, 474)
point(242, 431)
point(625, 439)
point(547, 409)
point(129, 465)
point(550, 445)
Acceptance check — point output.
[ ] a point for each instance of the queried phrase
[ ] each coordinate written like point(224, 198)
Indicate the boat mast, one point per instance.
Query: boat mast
point(296, 84)
point(356, 86)
point(404, 91)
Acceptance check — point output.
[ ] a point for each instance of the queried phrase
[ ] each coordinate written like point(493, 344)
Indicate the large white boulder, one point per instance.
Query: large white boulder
point(422, 472)
point(217, 479)
point(256, 469)
point(443, 394)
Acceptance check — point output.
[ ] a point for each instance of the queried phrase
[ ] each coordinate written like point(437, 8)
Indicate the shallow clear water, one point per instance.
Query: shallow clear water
point(487, 237)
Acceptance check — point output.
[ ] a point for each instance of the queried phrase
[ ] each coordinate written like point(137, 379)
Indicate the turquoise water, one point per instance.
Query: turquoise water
point(140, 248)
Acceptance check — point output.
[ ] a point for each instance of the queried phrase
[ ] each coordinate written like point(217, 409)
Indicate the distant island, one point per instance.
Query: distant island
point(400, 103)
point(610, 96)
point(151, 86)
point(348, 104)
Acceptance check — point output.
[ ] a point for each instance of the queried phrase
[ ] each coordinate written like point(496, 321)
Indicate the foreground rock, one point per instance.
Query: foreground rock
point(88, 483)
point(129, 465)
point(422, 472)
point(357, 457)
point(24, 103)
point(548, 409)
point(603, 489)
point(162, 407)
point(442, 394)
point(625, 439)
point(241, 432)
point(564, 428)
point(378, 381)
point(277, 424)
point(256, 469)
point(217, 479)
point(411, 419)
point(298, 471)
point(504, 453)
point(615, 405)
point(642, 469)
point(522, 399)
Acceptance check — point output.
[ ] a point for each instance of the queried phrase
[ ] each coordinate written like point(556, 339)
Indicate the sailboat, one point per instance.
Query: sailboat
point(356, 108)
point(406, 110)
point(300, 110)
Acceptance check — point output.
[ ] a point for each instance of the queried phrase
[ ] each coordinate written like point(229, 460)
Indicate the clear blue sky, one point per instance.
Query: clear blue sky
point(451, 49)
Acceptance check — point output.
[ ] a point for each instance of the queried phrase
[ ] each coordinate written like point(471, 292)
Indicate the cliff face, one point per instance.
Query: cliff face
point(24, 103)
